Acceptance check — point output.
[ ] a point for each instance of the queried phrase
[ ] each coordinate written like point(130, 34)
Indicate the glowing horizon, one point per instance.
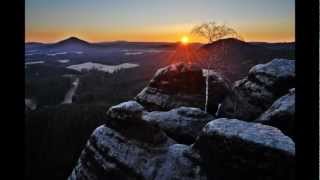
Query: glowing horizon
point(177, 38)
point(156, 21)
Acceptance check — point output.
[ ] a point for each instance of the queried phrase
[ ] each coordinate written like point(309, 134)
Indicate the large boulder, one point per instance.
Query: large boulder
point(181, 162)
point(128, 147)
point(281, 114)
point(254, 94)
point(126, 118)
point(182, 84)
point(130, 110)
point(235, 149)
point(182, 124)
point(111, 155)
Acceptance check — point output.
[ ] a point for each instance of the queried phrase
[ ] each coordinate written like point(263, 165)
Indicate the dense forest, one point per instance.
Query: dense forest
point(46, 85)
point(56, 134)
point(108, 89)
point(54, 137)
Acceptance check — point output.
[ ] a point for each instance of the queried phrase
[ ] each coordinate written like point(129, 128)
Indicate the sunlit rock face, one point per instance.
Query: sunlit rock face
point(235, 149)
point(264, 84)
point(183, 124)
point(281, 114)
point(182, 84)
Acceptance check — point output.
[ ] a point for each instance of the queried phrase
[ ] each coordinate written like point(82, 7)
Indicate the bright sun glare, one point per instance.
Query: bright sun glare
point(184, 40)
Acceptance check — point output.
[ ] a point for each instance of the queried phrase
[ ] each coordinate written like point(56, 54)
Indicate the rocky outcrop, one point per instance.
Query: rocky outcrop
point(137, 142)
point(134, 149)
point(182, 124)
point(126, 119)
point(182, 85)
point(235, 149)
point(126, 111)
point(281, 114)
point(254, 94)
point(109, 154)
point(132, 146)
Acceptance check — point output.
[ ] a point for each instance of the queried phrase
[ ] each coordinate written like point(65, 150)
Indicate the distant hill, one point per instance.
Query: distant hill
point(137, 45)
point(239, 56)
point(76, 44)
point(276, 46)
point(71, 41)
point(69, 44)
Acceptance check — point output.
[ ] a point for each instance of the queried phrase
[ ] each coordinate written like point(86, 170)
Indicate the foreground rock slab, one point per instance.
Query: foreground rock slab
point(235, 149)
point(254, 94)
point(281, 114)
point(182, 84)
point(128, 147)
point(110, 155)
point(182, 124)
point(126, 118)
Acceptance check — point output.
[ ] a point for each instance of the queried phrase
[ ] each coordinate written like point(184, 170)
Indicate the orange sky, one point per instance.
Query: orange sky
point(155, 20)
point(160, 37)
point(269, 34)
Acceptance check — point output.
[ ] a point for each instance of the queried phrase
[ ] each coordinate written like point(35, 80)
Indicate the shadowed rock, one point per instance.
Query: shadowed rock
point(137, 144)
point(281, 114)
point(111, 155)
point(235, 149)
point(126, 118)
point(254, 94)
point(131, 148)
point(182, 85)
point(182, 124)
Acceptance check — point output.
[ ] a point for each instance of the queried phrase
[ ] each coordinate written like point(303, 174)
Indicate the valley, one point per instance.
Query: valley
point(72, 83)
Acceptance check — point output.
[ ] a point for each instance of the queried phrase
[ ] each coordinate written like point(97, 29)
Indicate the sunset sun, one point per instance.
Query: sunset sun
point(184, 40)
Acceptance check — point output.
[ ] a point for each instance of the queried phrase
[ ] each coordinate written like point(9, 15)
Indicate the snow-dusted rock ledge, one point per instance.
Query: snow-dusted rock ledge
point(237, 149)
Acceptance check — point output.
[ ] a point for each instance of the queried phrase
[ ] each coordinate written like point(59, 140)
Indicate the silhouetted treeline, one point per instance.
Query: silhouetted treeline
point(110, 89)
point(43, 70)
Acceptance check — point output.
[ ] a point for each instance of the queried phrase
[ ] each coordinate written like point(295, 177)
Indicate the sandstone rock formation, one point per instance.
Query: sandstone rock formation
point(235, 149)
point(182, 124)
point(134, 149)
point(281, 114)
point(126, 119)
point(182, 85)
point(179, 141)
point(254, 94)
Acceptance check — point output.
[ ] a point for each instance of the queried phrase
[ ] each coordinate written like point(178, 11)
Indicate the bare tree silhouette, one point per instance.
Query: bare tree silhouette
point(212, 32)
